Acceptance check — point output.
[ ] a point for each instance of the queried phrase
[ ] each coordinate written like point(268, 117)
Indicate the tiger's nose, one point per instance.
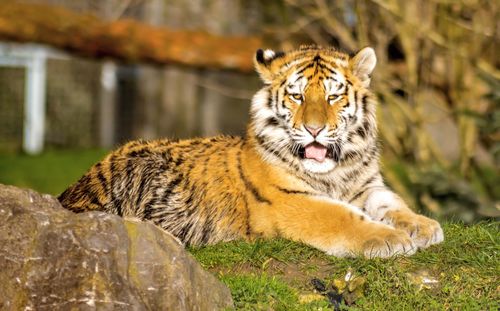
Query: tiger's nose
point(314, 130)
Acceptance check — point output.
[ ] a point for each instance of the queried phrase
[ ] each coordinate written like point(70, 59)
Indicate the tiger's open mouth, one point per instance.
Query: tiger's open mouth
point(318, 152)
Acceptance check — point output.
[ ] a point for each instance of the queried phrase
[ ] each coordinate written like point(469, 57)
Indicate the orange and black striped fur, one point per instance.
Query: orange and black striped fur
point(307, 169)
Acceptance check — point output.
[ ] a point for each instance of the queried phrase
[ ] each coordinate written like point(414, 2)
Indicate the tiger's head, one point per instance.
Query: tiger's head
point(315, 109)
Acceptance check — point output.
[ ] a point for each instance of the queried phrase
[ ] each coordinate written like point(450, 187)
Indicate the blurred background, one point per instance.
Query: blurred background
point(79, 77)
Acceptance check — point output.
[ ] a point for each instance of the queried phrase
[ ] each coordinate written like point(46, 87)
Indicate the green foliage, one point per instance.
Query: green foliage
point(489, 121)
point(466, 268)
point(444, 192)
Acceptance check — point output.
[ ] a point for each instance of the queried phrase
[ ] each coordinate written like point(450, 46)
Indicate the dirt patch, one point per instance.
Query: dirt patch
point(296, 274)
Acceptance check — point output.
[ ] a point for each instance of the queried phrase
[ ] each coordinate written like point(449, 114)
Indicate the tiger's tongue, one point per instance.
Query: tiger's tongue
point(315, 151)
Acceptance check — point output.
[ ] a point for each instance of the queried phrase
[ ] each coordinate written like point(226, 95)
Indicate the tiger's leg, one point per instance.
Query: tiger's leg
point(387, 207)
point(335, 227)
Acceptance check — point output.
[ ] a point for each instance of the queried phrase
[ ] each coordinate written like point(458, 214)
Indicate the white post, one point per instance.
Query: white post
point(107, 107)
point(34, 125)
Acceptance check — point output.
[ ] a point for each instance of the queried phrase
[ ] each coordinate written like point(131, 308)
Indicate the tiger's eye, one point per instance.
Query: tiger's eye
point(333, 97)
point(297, 96)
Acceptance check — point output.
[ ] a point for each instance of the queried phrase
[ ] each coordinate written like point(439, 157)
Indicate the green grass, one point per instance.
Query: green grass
point(274, 274)
point(51, 172)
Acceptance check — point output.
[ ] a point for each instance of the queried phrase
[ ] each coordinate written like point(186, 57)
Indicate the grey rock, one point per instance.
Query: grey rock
point(53, 259)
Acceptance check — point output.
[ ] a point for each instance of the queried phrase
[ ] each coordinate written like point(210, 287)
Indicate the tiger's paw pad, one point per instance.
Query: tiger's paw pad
point(394, 242)
point(423, 230)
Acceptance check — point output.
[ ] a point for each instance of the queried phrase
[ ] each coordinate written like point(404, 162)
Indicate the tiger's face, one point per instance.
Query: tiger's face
point(313, 109)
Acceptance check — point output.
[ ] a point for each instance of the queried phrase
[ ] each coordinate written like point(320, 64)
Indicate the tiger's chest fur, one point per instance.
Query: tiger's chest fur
point(223, 188)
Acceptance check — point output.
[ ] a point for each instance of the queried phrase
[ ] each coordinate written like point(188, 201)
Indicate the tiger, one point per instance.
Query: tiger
point(306, 170)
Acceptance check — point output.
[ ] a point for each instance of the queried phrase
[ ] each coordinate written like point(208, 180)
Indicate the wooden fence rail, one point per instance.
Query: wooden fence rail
point(125, 40)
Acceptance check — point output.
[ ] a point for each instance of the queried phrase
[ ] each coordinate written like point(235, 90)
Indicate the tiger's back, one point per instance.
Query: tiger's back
point(189, 188)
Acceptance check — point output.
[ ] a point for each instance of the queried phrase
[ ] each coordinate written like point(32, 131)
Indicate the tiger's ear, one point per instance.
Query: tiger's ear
point(265, 64)
point(362, 65)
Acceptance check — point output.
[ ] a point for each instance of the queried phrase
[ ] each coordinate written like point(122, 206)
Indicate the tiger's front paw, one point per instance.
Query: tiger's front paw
point(388, 242)
point(423, 230)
